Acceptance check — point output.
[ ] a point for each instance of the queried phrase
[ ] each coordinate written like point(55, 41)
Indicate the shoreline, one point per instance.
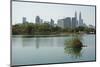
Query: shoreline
point(50, 35)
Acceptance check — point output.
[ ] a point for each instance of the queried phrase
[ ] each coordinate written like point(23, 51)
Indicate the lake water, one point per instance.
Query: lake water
point(41, 50)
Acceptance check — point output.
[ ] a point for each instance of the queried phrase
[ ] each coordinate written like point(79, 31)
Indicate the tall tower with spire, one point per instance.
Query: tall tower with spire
point(76, 19)
point(80, 16)
point(75, 14)
point(80, 20)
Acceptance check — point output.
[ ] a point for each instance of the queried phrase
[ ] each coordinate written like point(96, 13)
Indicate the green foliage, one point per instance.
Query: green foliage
point(74, 46)
point(74, 42)
point(23, 29)
point(74, 52)
point(45, 29)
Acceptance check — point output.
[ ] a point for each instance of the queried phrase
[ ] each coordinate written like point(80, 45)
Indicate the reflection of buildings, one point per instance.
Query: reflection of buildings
point(27, 42)
point(31, 42)
point(37, 42)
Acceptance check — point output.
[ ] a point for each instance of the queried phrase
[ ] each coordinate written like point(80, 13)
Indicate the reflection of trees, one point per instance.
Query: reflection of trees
point(26, 42)
point(74, 45)
point(74, 52)
point(29, 41)
point(37, 42)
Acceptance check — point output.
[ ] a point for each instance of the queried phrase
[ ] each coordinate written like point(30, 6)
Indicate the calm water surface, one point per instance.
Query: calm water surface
point(40, 50)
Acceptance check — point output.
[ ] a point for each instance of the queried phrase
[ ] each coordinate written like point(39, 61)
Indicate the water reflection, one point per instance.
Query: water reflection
point(74, 52)
point(31, 42)
point(39, 42)
point(50, 49)
point(74, 46)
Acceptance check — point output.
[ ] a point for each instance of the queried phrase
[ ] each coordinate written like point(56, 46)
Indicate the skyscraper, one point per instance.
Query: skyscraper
point(41, 21)
point(76, 19)
point(52, 22)
point(80, 20)
point(64, 23)
point(67, 22)
point(37, 20)
point(24, 20)
point(60, 23)
point(75, 14)
point(71, 23)
point(74, 23)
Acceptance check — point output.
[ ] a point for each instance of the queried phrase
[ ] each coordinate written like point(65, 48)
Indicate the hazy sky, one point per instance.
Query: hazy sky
point(48, 11)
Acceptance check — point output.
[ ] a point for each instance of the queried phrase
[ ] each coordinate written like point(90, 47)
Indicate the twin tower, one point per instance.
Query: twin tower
point(71, 22)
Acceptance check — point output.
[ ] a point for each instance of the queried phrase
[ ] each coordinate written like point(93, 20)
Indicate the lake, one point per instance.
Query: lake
point(41, 50)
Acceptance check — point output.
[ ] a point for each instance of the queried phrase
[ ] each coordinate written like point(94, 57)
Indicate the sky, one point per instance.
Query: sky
point(48, 11)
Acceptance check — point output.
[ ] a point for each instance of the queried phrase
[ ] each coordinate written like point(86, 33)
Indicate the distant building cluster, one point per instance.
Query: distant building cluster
point(67, 22)
point(38, 20)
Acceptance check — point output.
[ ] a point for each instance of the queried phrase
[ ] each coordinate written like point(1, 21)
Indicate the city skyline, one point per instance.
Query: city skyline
point(67, 22)
point(88, 13)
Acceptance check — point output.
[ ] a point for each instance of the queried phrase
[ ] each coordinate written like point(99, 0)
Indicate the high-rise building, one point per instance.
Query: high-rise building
point(76, 19)
point(75, 14)
point(64, 23)
point(80, 20)
point(41, 21)
point(67, 22)
point(24, 20)
point(37, 20)
point(71, 23)
point(52, 22)
point(74, 22)
point(60, 23)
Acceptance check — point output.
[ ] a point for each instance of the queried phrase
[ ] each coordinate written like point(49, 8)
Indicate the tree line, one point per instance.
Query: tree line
point(45, 29)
